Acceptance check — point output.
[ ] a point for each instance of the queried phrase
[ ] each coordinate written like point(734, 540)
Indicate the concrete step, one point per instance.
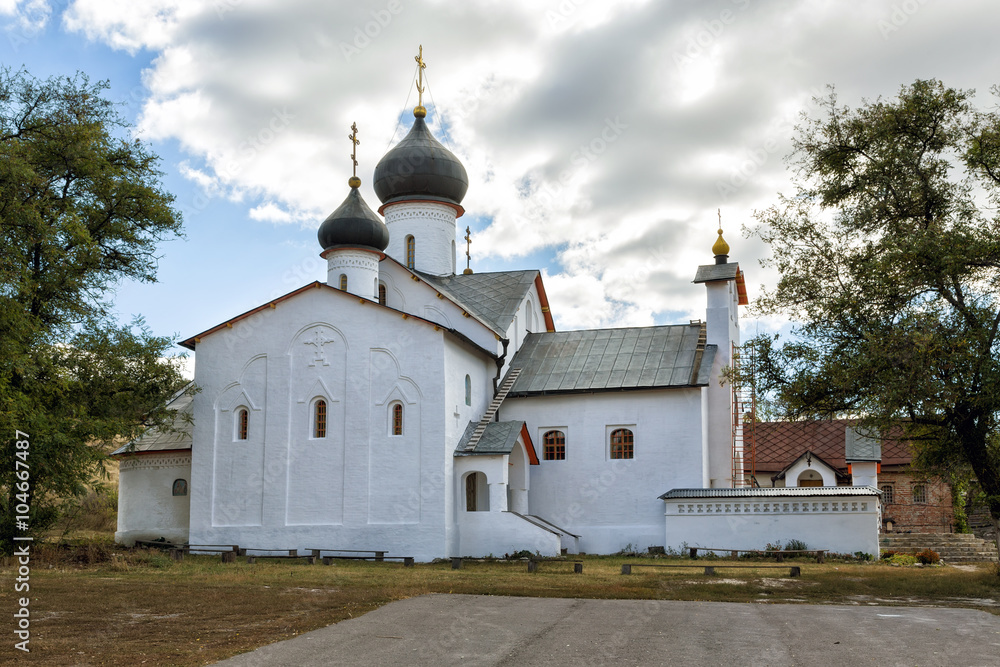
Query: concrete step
point(952, 547)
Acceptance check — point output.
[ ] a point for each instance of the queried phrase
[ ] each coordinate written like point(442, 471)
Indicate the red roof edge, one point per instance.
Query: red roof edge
point(543, 301)
point(532, 456)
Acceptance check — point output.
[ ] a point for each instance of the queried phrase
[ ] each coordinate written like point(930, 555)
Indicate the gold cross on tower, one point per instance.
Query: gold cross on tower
point(353, 136)
point(421, 66)
point(468, 251)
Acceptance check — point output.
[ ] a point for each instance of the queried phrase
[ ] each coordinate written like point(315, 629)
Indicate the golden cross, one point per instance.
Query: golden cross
point(353, 136)
point(468, 248)
point(420, 76)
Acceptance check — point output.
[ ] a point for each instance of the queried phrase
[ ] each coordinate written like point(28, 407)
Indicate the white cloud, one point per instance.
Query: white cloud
point(130, 26)
point(701, 97)
point(29, 16)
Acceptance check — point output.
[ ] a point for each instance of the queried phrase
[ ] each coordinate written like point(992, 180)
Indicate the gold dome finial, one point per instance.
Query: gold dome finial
point(720, 248)
point(419, 111)
point(354, 181)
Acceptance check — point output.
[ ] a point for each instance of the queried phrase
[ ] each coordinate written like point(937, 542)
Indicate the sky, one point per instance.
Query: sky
point(601, 137)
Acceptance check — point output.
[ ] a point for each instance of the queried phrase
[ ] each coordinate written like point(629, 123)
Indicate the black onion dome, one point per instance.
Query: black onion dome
point(353, 224)
point(420, 167)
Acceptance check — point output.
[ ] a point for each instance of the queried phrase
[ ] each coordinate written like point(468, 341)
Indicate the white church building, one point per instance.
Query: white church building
point(404, 407)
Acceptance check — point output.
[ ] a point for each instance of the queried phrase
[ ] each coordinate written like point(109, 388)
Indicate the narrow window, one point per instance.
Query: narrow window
point(319, 419)
point(468, 390)
point(471, 492)
point(397, 419)
point(343, 282)
point(242, 424)
point(411, 252)
point(621, 443)
point(554, 443)
point(887, 494)
point(180, 487)
point(919, 493)
point(381, 293)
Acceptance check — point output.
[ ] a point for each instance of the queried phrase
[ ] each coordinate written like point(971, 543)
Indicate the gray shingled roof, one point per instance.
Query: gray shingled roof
point(492, 297)
point(612, 360)
point(768, 492)
point(861, 447)
point(498, 438)
point(155, 440)
point(710, 272)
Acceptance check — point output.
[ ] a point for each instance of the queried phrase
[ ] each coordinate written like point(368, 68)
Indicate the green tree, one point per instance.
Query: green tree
point(81, 209)
point(889, 256)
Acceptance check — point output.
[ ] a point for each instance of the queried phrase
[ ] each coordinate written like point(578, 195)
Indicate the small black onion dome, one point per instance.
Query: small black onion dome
point(420, 167)
point(353, 224)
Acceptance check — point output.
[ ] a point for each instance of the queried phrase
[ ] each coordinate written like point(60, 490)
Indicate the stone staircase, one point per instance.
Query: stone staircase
point(952, 547)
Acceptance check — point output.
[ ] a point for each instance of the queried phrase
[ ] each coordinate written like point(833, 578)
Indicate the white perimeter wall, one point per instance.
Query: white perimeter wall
point(612, 503)
point(841, 524)
point(147, 508)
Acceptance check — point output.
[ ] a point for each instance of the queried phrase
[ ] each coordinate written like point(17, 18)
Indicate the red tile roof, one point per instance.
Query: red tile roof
point(780, 443)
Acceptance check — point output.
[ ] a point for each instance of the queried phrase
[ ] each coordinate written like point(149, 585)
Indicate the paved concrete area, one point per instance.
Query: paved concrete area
point(482, 630)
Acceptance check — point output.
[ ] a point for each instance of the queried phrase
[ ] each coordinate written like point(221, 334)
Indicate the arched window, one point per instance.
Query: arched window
point(343, 282)
point(919, 493)
point(477, 493)
point(411, 252)
point(180, 488)
point(381, 293)
point(242, 424)
point(319, 419)
point(468, 390)
point(887, 494)
point(621, 444)
point(529, 317)
point(397, 419)
point(554, 443)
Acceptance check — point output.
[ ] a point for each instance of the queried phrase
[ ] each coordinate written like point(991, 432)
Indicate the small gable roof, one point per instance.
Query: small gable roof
point(177, 437)
point(613, 360)
point(814, 459)
point(498, 438)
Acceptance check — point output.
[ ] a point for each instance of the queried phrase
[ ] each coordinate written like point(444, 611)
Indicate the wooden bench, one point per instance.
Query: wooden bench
point(794, 570)
point(779, 554)
point(271, 555)
point(577, 564)
point(377, 556)
point(227, 552)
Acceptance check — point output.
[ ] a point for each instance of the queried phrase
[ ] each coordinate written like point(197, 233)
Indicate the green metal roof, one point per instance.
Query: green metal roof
point(613, 360)
point(492, 297)
point(498, 438)
point(178, 436)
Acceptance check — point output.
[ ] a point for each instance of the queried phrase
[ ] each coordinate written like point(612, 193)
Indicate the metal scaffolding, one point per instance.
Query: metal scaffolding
point(744, 411)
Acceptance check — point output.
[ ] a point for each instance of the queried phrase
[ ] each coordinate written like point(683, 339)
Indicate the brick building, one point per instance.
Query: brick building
point(813, 454)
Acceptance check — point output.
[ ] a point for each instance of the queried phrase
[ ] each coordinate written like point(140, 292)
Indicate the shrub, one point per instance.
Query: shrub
point(902, 559)
point(863, 556)
point(796, 545)
point(887, 554)
point(928, 557)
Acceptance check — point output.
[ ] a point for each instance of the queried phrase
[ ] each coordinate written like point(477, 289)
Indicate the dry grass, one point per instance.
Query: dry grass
point(97, 604)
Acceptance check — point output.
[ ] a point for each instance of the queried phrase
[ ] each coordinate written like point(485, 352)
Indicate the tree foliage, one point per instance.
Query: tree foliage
point(889, 256)
point(81, 209)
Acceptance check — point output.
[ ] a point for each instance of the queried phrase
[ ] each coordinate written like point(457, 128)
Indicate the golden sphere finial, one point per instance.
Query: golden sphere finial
point(467, 271)
point(419, 111)
point(354, 182)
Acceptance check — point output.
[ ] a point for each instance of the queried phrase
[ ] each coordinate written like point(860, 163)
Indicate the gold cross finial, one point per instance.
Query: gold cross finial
point(421, 66)
point(353, 136)
point(468, 251)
